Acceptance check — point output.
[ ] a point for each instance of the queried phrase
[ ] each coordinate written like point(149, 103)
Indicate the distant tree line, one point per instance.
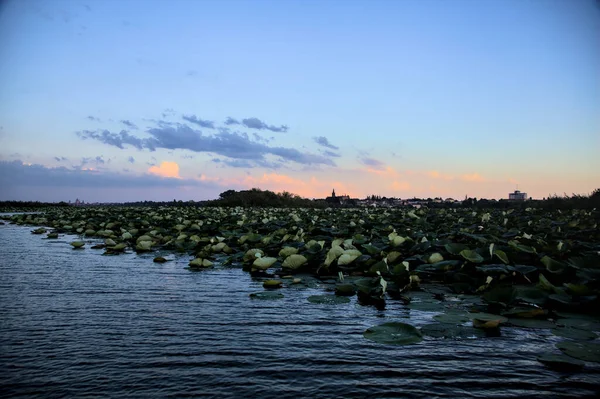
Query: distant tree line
point(266, 198)
point(30, 204)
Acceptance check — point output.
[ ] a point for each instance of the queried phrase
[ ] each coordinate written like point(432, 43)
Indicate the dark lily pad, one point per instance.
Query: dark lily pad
point(553, 266)
point(574, 333)
point(531, 323)
point(471, 256)
point(394, 333)
point(524, 269)
point(455, 249)
point(531, 295)
point(443, 330)
point(525, 313)
point(452, 317)
point(493, 270)
point(266, 295)
point(586, 351)
point(328, 299)
point(582, 324)
point(560, 362)
point(426, 306)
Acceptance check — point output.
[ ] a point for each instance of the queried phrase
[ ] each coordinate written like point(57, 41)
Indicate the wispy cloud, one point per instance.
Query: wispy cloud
point(200, 122)
point(60, 159)
point(372, 163)
point(322, 140)
point(129, 124)
point(231, 121)
point(230, 144)
point(255, 123)
point(131, 160)
point(93, 118)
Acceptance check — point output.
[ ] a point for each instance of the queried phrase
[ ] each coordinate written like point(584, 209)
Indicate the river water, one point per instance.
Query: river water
point(74, 323)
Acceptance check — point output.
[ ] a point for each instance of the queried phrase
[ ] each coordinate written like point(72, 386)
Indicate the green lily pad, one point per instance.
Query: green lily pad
point(531, 295)
point(586, 351)
point(553, 266)
point(560, 362)
point(393, 333)
point(501, 255)
point(328, 299)
point(452, 318)
point(268, 295)
point(524, 269)
point(426, 306)
point(471, 256)
point(493, 270)
point(574, 333)
point(444, 330)
point(582, 324)
point(455, 249)
point(531, 323)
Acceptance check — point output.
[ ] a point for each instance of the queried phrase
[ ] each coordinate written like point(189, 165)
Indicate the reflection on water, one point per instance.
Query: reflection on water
point(75, 323)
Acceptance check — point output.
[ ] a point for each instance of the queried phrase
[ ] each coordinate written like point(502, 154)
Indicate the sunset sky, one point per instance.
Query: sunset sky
point(111, 101)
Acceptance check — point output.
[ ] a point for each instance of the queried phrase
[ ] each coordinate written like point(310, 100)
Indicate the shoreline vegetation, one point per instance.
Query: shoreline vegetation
point(264, 198)
point(535, 264)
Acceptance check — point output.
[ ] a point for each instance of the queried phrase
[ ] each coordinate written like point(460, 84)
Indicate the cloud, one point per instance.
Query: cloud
point(199, 122)
point(116, 139)
point(225, 143)
point(331, 154)
point(93, 118)
point(434, 174)
point(129, 124)
point(372, 163)
point(60, 159)
point(131, 160)
point(16, 174)
point(247, 164)
point(255, 123)
point(166, 169)
point(168, 112)
point(231, 121)
point(322, 140)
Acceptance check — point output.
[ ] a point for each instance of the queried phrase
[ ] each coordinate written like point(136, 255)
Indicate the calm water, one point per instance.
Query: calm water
point(77, 324)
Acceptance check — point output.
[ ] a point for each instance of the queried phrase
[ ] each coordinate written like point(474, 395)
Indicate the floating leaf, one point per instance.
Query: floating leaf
point(586, 351)
point(393, 333)
point(471, 256)
point(266, 295)
point(560, 362)
point(553, 266)
point(455, 249)
point(293, 262)
point(452, 318)
point(441, 330)
point(574, 333)
point(531, 323)
point(263, 263)
point(328, 299)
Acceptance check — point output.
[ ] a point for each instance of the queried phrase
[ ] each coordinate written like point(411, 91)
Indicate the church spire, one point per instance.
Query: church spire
point(333, 193)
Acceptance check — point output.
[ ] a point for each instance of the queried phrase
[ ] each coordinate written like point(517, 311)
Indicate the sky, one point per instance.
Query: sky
point(112, 101)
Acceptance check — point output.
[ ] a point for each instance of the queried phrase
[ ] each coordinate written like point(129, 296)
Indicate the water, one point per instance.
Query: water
point(74, 323)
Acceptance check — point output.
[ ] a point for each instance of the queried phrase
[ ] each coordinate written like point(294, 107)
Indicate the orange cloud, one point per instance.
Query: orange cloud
point(388, 171)
point(166, 169)
point(474, 177)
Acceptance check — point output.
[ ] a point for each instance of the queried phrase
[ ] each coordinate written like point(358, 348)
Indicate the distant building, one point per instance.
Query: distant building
point(337, 199)
point(517, 196)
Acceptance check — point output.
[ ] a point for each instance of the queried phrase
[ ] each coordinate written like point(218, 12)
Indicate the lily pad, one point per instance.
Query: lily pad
point(451, 318)
point(443, 330)
point(560, 362)
point(586, 351)
point(426, 306)
point(328, 299)
point(455, 249)
point(574, 333)
point(553, 266)
point(266, 295)
point(471, 256)
point(531, 323)
point(394, 333)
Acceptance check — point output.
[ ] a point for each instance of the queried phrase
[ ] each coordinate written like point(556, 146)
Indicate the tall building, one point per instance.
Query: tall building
point(517, 196)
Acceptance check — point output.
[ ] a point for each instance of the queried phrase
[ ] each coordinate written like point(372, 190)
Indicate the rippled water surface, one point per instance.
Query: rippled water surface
point(74, 323)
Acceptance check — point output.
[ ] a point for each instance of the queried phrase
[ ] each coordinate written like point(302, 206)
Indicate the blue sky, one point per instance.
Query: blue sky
point(128, 100)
